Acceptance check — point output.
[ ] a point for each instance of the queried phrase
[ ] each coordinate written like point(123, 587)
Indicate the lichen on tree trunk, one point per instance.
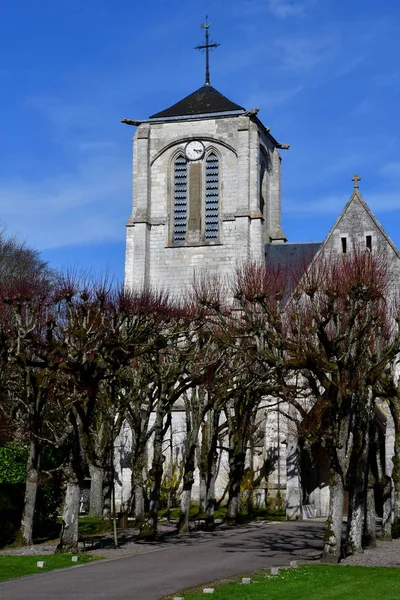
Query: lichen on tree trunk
point(149, 528)
point(96, 490)
point(194, 403)
point(69, 533)
point(236, 472)
point(25, 533)
point(370, 516)
point(138, 507)
point(387, 515)
point(333, 527)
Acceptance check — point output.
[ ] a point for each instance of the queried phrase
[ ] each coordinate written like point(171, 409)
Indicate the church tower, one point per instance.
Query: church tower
point(206, 190)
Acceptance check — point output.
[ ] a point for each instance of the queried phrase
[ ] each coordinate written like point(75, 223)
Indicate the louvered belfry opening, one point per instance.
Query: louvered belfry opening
point(180, 200)
point(211, 197)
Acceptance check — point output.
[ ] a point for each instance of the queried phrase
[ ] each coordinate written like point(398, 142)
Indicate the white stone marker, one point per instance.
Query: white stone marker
point(274, 570)
point(41, 564)
point(246, 580)
point(208, 590)
point(294, 564)
point(76, 558)
point(176, 598)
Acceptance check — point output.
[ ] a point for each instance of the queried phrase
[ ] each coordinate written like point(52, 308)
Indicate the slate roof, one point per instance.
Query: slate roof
point(293, 256)
point(294, 259)
point(205, 100)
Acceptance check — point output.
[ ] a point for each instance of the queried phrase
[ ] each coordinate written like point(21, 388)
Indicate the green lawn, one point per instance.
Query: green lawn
point(18, 566)
point(92, 525)
point(312, 582)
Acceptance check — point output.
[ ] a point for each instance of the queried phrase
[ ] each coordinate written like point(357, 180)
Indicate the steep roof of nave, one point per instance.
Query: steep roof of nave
point(291, 255)
point(205, 100)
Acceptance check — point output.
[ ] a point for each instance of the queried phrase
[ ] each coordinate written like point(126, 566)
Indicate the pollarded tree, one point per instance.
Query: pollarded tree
point(259, 347)
point(172, 375)
point(100, 333)
point(245, 322)
point(337, 333)
point(210, 374)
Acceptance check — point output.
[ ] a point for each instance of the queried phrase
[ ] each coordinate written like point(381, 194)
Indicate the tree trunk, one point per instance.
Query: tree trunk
point(370, 516)
point(358, 491)
point(149, 528)
point(355, 519)
point(138, 490)
point(107, 494)
point(237, 457)
point(396, 475)
point(96, 490)
point(387, 509)
point(108, 486)
point(24, 536)
point(202, 464)
point(333, 527)
point(69, 533)
point(186, 497)
point(211, 475)
point(74, 475)
point(236, 472)
point(184, 516)
point(193, 423)
point(210, 497)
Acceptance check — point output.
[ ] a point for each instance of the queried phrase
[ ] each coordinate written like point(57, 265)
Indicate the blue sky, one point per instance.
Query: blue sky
point(325, 75)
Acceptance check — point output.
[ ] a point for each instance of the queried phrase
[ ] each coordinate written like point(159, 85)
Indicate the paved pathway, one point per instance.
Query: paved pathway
point(185, 563)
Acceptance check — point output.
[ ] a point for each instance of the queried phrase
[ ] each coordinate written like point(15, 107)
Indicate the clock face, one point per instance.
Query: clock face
point(194, 150)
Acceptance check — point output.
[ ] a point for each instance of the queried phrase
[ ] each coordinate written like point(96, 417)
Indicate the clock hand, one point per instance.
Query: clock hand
point(196, 150)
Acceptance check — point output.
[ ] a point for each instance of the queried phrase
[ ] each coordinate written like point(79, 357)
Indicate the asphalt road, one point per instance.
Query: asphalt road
point(183, 564)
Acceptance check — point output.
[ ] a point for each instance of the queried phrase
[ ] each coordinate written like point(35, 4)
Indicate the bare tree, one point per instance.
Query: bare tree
point(337, 332)
point(27, 328)
point(101, 332)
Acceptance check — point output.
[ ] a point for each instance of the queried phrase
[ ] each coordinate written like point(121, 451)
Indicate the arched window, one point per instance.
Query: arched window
point(211, 208)
point(180, 200)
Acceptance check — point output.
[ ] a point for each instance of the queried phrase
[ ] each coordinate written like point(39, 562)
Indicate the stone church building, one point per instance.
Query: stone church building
point(207, 196)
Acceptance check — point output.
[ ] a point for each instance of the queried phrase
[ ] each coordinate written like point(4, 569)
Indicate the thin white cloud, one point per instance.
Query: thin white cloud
point(80, 208)
point(391, 169)
point(89, 188)
point(287, 8)
point(302, 54)
point(270, 99)
point(384, 202)
point(365, 107)
point(327, 205)
point(387, 79)
point(282, 9)
point(67, 116)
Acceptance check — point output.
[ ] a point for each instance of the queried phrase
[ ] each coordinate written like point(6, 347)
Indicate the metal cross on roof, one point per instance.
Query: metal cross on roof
point(356, 179)
point(207, 47)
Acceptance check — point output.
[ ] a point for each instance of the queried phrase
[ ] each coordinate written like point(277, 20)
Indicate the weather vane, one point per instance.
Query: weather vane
point(207, 47)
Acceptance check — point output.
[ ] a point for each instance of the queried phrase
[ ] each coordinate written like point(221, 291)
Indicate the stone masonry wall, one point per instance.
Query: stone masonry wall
point(150, 256)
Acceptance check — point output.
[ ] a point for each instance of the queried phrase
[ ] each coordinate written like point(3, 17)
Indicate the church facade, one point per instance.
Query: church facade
point(206, 198)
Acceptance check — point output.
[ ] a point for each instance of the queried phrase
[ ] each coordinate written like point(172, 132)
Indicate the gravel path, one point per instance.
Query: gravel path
point(386, 553)
point(128, 540)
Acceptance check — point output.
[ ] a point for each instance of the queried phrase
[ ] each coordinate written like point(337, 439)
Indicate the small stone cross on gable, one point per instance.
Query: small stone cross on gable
point(356, 179)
